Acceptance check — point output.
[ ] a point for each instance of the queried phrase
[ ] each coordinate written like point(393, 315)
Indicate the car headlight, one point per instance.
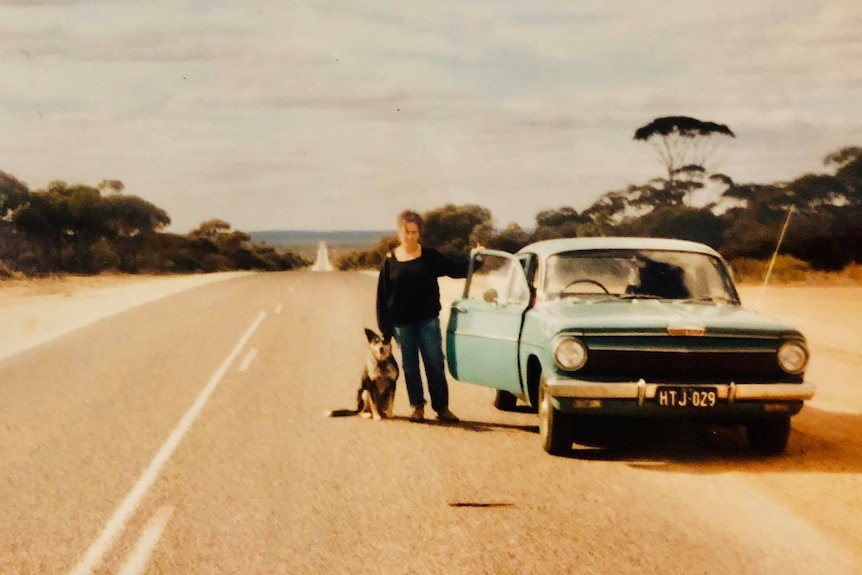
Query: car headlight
point(570, 354)
point(792, 357)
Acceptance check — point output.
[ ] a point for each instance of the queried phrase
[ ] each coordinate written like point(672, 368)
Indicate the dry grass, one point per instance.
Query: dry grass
point(791, 271)
point(65, 285)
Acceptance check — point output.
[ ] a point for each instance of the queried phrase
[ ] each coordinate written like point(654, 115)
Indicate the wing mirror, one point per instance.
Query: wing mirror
point(490, 296)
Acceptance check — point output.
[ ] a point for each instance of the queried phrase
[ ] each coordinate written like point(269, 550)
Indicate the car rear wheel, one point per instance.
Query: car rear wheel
point(555, 427)
point(505, 401)
point(769, 436)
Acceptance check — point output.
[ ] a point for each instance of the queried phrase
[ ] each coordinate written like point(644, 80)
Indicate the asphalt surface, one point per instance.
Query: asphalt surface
point(187, 436)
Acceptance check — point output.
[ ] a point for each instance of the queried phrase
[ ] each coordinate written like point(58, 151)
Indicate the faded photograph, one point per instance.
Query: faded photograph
point(430, 287)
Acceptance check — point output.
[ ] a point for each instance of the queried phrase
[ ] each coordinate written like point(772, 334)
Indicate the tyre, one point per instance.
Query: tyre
point(555, 427)
point(505, 401)
point(768, 436)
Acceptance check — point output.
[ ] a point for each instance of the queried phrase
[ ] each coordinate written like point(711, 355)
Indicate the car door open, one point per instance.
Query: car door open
point(484, 325)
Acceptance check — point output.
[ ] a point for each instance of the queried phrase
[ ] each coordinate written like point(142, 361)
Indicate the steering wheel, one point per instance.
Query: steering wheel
point(583, 281)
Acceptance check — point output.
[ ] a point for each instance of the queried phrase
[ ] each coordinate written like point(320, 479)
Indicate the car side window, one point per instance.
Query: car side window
point(519, 293)
point(499, 280)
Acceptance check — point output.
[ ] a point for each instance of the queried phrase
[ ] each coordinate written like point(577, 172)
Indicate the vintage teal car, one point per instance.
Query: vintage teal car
point(625, 327)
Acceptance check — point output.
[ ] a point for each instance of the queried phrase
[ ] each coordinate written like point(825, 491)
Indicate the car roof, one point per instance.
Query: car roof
point(548, 247)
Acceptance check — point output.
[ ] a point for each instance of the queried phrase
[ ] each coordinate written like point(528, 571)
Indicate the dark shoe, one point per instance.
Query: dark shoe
point(418, 414)
point(447, 415)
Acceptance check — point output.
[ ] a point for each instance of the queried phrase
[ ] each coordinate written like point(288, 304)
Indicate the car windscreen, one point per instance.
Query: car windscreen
point(636, 274)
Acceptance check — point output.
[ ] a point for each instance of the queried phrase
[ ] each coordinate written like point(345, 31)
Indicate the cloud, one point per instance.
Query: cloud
point(194, 43)
point(49, 3)
point(243, 107)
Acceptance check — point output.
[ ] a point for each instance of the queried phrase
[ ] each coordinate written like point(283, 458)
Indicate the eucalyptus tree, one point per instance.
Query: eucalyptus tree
point(824, 230)
point(65, 220)
point(449, 228)
point(68, 221)
point(131, 224)
point(509, 239)
point(684, 145)
point(13, 193)
point(848, 169)
point(210, 230)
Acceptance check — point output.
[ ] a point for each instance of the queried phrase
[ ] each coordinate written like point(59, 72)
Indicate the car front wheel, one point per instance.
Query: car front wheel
point(555, 427)
point(769, 436)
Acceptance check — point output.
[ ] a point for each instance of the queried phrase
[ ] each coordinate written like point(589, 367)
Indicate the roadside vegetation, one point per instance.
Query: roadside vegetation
point(79, 229)
point(690, 200)
point(789, 270)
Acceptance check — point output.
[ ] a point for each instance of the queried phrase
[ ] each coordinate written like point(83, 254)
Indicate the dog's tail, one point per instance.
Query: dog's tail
point(340, 412)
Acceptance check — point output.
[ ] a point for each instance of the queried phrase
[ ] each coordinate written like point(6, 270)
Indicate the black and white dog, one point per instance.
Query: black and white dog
point(376, 395)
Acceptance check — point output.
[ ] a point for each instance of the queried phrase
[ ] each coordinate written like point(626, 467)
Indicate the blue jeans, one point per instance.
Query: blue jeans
point(425, 337)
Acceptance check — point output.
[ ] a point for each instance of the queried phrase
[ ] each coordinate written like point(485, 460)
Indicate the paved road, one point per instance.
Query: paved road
point(186, 436)
point(321, 262)
point(32, 320)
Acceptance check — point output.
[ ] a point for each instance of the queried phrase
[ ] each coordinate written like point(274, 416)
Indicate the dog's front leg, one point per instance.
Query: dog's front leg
point(390, 406)
point(367, 404)
point(375, 413)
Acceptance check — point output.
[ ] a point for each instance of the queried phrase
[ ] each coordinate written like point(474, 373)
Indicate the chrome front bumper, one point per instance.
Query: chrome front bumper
point(642, 391)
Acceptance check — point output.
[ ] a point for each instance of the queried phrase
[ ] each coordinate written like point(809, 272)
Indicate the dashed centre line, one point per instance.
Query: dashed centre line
point(249, 357)
point(94, 555)
point(137, 560)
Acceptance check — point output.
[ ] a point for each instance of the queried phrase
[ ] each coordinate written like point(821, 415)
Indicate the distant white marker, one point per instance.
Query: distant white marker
point(278, 309)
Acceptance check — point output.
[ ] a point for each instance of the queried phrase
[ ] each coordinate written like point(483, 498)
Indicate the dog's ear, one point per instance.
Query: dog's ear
point(371, 335)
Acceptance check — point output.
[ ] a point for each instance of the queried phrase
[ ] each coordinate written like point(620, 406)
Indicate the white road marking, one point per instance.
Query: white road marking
point(137, 560)
point(278, 309)
point(118, 520)
point(249, 357)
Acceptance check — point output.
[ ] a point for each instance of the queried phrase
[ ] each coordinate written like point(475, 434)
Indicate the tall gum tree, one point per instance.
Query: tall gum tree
point(684, 145)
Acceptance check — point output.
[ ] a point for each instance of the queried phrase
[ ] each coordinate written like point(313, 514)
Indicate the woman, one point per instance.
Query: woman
point(408, 307)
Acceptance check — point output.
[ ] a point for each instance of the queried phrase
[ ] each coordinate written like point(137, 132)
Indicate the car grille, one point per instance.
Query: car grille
point(673, 363)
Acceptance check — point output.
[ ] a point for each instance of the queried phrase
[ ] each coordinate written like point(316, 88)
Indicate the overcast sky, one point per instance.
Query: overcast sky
point(338, 114)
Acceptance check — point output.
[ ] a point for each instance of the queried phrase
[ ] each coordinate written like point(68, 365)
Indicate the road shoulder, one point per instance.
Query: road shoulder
point(33, 312)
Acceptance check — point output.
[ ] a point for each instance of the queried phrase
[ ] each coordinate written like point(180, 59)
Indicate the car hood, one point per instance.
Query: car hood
point(657, 316)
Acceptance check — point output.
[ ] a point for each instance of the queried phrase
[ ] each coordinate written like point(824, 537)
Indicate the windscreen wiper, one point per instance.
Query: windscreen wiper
point(707, 299)
point(639, 296)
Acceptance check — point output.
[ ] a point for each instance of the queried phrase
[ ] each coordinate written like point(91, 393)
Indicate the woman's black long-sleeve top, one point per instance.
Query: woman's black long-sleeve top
point(408, 292)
